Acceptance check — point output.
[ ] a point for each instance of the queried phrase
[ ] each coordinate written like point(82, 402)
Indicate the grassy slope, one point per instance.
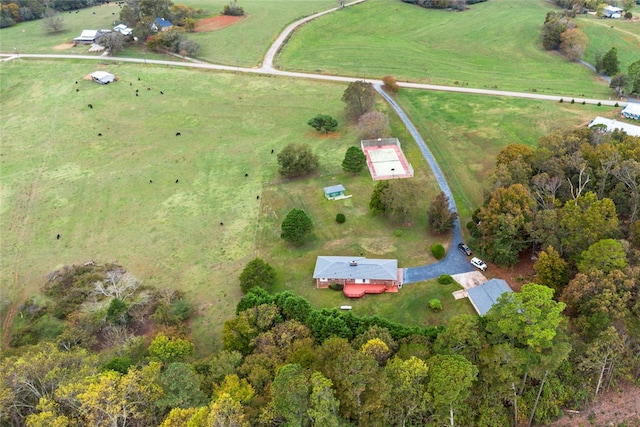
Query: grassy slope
point(494, 44)
point(58, 176)
point(465, 132)
point(604, 34)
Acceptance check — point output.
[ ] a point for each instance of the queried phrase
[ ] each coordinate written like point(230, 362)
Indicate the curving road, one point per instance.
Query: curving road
point(455, 262)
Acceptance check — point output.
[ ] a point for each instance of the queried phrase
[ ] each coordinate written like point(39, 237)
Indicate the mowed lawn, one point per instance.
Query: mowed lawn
point(466, 132)
point(59, 177)
point(495, 44)
point(604, 34)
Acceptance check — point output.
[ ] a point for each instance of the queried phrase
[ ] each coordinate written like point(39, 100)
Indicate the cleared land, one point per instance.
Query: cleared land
point(606, 33)
point(493, 45)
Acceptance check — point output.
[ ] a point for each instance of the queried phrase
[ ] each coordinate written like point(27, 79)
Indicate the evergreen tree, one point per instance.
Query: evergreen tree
point(354, 160)
point(257, 273)
point(323, 123)
point(610, 63)
point(296, 226)
point(376, 204)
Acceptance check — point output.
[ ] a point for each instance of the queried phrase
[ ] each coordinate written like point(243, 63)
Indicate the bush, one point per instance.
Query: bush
point(561, 100)
point(616, 105)
point(438, 251)
point(583, 103)
point(445, 279)
point(599, 104)
point(397, 232)
point(257, 273)
point(573, 101)
point(391, 83)
point(336, 286)
point(232, 9)
point(323, 123)
point(435, 304)
point(340, 218)
point(628, 15)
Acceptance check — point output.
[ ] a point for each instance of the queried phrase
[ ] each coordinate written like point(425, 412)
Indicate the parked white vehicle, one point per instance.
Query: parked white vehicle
point(478, 263)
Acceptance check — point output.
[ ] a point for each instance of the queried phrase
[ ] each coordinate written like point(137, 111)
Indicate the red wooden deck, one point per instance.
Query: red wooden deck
point(353, 290)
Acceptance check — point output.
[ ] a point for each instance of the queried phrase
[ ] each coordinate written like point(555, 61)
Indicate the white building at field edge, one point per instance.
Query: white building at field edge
point(612, 125)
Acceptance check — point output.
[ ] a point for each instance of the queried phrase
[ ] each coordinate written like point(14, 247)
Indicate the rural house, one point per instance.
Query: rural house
point(359, 275)
point(123, 29)
point(483, 297)
point(632, 111)
point(334, 192)
point(612, 12)
point(161, 24)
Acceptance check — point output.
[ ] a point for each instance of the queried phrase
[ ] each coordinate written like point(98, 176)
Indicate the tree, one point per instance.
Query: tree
point(373, 124)
point(610, 63)
point(634, 77)
point(226, 412)
point(52, 22)
point(238, 389)
point(605, 255)
point(461, 337)
point(290, 392)
point(407, 378)
point(170, 349)
point(359, 98)
point(354, 160)
point(619, 83)
point(297, 160)
point(113, 42)
point(323, 123)
point(323, 405)
point(377, 349)
point(296, 226)
point(573, 43)
point(551, 270)
point(233, 9)
point(257, 273)
point(376, 204)
point(555, 24)
point(181, 388)
point(450, 379)
point(628, 5)
point(439, 216)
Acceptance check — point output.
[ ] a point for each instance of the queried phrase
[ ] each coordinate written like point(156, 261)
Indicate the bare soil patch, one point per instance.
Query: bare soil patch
point(215, 23)
point(614, 408)
point(516, 276)
point(63, 46)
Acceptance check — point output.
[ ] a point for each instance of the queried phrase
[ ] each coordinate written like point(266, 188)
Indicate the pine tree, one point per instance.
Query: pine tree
point(610, 63)
point(354, 160)
point(296, 226)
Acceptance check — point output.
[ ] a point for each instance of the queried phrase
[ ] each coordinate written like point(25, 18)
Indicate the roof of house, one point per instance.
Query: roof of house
point(612, 125)
point(341, 267)
point(163, 23)
point(88, 35)
point(333, 189)
point(483, 297)
point(101, 75)
point(123, 29)
point(614, 9)
point(632, 108)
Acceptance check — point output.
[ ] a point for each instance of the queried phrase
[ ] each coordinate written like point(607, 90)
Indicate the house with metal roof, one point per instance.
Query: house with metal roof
point(102, 77)
point(358, 275)
point(88, 36)
point(123, 29)
point(161, 24)
point(484, 296)
point(612, 12)
point(632, 111)
point(611, 125)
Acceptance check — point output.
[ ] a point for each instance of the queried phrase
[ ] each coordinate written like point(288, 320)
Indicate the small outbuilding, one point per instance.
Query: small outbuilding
point(123, 29)
point(483, 297)
point(334, 192)
point(102, 77)
point(88, 37)
point(632, 111)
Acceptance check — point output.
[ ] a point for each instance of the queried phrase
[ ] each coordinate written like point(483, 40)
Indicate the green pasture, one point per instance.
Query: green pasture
point(59, 177)
point(466, 132)
point(243, 43)
point(495, 44)
point(604, 34)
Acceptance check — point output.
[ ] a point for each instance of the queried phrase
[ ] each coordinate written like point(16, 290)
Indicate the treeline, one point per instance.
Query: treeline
point(15, 11)
point(444, 4)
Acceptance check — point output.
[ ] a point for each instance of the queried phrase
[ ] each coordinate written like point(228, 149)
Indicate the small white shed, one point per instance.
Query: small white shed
point(102, 77)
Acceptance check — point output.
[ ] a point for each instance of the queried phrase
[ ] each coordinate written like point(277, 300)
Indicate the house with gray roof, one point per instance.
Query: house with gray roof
point(358, 275)
point(611, 125)
point(632, 111)
point(484, 296)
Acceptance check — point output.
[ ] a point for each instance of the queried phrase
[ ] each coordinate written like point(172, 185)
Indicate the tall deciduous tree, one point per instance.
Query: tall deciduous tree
point(551, 270)
point(439, 216)
point(290, 393)
point(359, 98)
point(373, 124)
point(257, 273)
point(573, 43)
point(354, 160)
point(52, 22)
point(226, 412)
point(450, 379)
point(323, 405)
point(170, 349)
point(296, 226)
point(297, 160)
point(181, 388)
point(113, 42)
point(619, 83)
point(407, 378)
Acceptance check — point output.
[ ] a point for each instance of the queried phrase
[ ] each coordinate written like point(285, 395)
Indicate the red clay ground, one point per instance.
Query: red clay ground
point(216, 23)
point(521, 274)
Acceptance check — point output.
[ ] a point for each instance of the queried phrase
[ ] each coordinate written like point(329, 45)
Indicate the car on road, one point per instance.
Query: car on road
point(479, 264)
point(464, 249)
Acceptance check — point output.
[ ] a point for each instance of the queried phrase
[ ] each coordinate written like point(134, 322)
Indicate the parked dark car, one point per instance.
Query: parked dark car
point(464, 249)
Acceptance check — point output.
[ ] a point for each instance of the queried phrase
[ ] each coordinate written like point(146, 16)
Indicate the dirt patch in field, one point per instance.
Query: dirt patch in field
point(215, 23)
point(520, 274)
point(63, 46)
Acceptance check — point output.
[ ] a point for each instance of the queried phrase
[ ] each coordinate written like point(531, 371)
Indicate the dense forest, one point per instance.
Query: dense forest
point(100, 348)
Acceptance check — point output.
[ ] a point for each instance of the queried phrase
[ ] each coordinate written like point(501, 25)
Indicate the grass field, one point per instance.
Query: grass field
point(493, 45)
point(465, 132)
